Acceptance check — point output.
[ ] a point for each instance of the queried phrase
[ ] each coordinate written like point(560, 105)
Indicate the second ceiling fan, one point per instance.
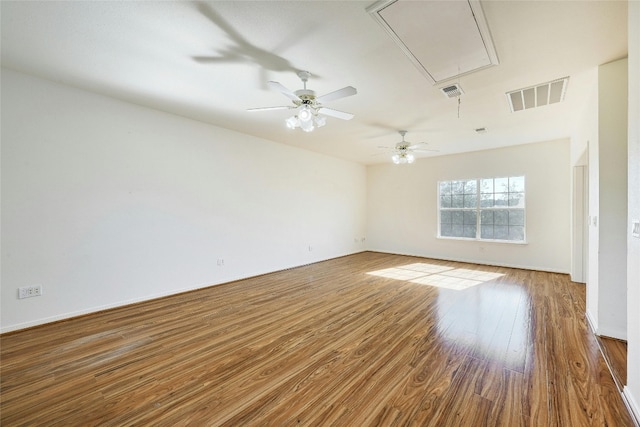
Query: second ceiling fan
point(403, 152)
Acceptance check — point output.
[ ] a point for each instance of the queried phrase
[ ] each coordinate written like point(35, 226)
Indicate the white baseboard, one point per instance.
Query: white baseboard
point(632, 405)
point(475, 261)
point(117, 304)
point(593, 325)
point(100, 308)
point(603, 331)
point(627, 397)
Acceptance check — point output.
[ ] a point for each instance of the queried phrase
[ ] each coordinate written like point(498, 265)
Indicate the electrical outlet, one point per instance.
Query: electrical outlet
point(220, 262)
point(29, 291)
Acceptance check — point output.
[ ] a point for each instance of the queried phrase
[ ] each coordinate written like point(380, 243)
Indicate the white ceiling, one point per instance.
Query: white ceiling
point(210, 61)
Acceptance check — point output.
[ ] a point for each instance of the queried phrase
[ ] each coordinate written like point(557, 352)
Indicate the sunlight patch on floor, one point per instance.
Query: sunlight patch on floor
point(437, 275)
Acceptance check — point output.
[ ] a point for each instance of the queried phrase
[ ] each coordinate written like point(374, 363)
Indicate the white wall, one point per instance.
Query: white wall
point(106, 203)
point(585, 134)
point(632, 390)
point(584, 151)
point(579, 220)
point(402, 206)
point(612, 199)
point(587, 128)
point(603, 129)
point(593, 274)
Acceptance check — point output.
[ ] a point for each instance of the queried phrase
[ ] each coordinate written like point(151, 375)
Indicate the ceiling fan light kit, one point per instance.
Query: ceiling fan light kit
point(310, 110)
point(306, 119)
point(402, 158)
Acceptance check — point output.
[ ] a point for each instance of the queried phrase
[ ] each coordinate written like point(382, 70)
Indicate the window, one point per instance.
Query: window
point(484, 209)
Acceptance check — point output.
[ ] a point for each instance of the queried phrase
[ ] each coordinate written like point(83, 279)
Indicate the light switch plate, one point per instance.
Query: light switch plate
point(635, 228)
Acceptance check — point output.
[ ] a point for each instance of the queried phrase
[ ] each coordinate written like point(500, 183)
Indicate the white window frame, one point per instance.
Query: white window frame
point(478, 209)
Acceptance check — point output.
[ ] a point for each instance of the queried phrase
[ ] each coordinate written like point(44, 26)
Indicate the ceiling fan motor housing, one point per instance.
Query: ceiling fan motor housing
point(306, 94)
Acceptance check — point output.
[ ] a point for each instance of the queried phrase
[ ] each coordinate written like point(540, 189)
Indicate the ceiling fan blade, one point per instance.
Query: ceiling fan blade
point(340, 93)
point(335, 113)
point(286, 92)
point(418, 144)
point(422, 150)
point(270, 108)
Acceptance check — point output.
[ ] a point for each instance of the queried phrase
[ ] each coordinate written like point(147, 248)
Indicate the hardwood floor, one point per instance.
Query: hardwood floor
point(614, 352)
point(361, 340)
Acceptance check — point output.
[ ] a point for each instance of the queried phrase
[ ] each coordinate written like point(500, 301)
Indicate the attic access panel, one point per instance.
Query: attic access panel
point(443, 39)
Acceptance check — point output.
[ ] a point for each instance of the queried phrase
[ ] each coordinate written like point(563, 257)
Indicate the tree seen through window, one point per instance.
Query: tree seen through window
point(487, 208)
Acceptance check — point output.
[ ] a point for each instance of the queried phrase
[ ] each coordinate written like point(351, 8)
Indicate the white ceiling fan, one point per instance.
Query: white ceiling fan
point(403, 152)
point(309, 106)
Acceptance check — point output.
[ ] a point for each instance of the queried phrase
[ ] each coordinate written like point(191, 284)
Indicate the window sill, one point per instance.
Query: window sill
point(467, 239)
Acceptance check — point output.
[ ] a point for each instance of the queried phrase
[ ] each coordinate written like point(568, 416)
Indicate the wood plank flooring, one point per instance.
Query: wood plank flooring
point(362, 340)
point(614, 352)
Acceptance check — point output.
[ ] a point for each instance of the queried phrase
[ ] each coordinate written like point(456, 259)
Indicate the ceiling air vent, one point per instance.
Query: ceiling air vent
point(537, 96)
point(452, 91)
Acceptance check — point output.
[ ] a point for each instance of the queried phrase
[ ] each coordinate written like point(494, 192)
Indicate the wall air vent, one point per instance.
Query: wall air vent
point(452, 91)
point(539, 95)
